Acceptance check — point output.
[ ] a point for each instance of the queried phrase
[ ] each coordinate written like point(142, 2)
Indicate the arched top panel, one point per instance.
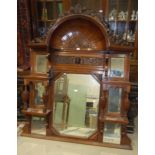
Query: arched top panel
point(78, 32)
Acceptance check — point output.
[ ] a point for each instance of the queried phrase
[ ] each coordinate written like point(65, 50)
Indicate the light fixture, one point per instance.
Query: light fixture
point(77, 48)
point(75, 90)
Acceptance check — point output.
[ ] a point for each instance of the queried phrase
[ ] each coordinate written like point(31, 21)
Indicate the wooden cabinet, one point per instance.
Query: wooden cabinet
point(122, 16)
point(43, 14)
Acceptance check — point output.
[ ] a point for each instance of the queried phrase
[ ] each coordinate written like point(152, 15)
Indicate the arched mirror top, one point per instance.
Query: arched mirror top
point(78, 32)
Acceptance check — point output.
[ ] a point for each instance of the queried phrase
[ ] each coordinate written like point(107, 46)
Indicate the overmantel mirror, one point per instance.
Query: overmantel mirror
point(76, 105)
point(81, 64)
point(86, 101)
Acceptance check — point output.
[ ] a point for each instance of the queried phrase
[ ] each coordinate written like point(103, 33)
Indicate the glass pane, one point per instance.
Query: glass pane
point(134, 10)
point(91, 4)
point(121, 28)
point(38, 125)
point(50, 9)
point(59, 8)
point(112, 133)
point(39, 91)
point(41, 64)
point(76, 105)
point(123, 5)
point(114, 99)
point(117, 67)
point(112, 10)
point(40, 6)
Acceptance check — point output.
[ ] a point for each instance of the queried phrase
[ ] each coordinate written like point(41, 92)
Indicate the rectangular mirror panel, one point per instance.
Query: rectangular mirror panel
point(114, 99)
point(112, 133)
point(38, 125)
point(41, 64)
point(117, 67)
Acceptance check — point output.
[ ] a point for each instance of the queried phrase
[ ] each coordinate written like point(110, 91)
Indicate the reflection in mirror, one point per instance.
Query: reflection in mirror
point(38, 125)
point(112, 133)
point(114, 99)
point(41, 64)
point(117, 67)
point(39, 92)
point(76, 105)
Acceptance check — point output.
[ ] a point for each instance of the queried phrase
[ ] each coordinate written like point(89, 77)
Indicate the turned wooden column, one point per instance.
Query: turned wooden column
point(25, 98)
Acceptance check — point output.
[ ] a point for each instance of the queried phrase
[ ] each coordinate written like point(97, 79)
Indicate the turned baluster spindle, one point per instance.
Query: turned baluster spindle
point(45, 99)
point(25, 97)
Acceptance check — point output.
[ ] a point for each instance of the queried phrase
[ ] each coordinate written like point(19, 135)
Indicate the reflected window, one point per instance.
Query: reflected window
point(41, 64)
point(117, 67)
point(112, 133)
point(76, 105)
point(38, 125)
point(114, 99)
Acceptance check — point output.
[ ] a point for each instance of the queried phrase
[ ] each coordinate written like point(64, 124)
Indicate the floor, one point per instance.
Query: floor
point(31, 146)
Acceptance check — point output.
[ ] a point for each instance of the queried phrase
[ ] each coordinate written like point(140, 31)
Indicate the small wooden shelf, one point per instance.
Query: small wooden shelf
point(121, 48)
point(49, 20)
point(38, 45)
point(116, 119)
point(36, 112)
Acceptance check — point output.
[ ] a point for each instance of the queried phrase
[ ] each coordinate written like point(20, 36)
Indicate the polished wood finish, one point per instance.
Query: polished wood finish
point(67, 54)
point(36, 112)
point(66, 5)
point(75, 33)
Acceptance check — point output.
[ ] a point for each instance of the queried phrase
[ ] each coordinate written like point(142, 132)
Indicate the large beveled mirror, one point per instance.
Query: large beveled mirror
point(76, 105)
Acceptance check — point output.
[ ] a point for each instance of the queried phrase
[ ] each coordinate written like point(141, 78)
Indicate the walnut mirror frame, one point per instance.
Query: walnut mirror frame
point(76, 102)
point(79, 45)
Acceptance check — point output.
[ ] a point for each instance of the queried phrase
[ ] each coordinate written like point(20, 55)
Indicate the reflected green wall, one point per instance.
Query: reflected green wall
point(77, 105)
point(58, 113)
point(80, 88)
